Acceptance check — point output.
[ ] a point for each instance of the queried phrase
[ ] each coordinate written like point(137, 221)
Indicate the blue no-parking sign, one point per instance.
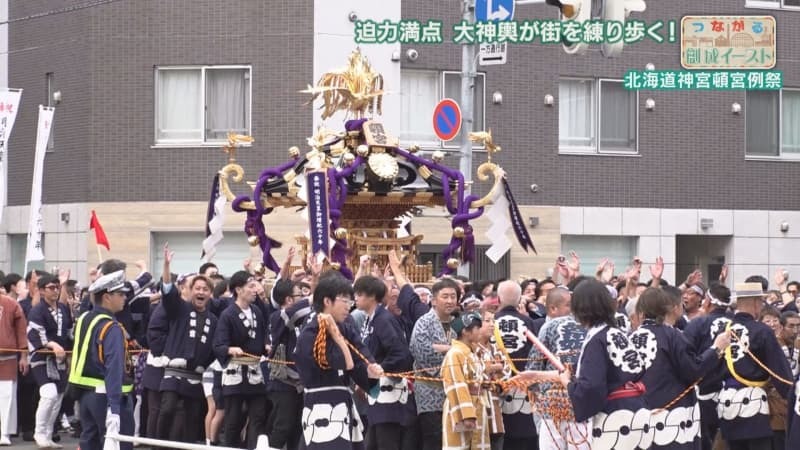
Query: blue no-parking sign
point(447, 119)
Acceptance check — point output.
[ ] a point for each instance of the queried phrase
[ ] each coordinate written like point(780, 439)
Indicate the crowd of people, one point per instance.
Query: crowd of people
point(314, 360)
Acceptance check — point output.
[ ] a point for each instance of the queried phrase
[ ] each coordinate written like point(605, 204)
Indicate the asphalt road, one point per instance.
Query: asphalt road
point(69, 443)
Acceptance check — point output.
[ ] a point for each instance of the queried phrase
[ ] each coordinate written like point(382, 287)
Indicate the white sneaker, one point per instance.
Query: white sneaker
point(5, 441)
point(55, 445)
point(42, 441)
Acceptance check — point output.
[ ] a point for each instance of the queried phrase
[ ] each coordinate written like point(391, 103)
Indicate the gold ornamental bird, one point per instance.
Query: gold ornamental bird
point(234, 140)
point(357, 88)
point(485, 137)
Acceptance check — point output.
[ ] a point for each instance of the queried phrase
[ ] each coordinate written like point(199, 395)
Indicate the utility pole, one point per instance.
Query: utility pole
point(469, 67)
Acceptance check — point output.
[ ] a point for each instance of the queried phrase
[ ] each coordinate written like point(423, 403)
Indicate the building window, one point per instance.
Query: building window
point(592, 249)
point(421, 91)
point(18, 246)
point(197, 105)
point(596, 116)
point(773, 124)
point(773, 4)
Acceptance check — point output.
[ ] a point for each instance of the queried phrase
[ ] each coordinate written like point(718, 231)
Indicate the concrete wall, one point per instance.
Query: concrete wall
point(757, 244)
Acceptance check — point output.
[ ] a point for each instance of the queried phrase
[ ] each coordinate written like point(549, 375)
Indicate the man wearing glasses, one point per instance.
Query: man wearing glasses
point(327, 365)
point(49, 338)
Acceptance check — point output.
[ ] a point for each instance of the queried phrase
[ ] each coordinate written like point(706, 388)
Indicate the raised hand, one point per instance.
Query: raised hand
point(632, 274)
point(394, 260)
point(601, 267)
point(376, 271)
point(723, 274)
point(63, 276)
point(141, 265)
point(695, 277)
point(657, 269)
point(315, 265)
point(780, 277)
point(608, 272)
point(574, 264)
point(166, 275)
point(562, 268)
point(387, 271)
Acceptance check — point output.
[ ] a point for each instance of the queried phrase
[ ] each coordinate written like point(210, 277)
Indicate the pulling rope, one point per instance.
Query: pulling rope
point(774, 375)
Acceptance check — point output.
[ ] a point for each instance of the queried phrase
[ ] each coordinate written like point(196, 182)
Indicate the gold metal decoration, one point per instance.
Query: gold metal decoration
point(362, 150)
point(458, 232)
point(336, 266)
point(294, 152)
point(357, 88)
point(485, 138)
point(438, 156)
point(498, 173)
point(322, 137)
point(384, 166)
point(260, 269)
point(253, 241)
point(234, 141)
point(424, 172)
point(453, 263)
point(487, 168)
point(340, 233)
point(414, 148)
point(349, 159)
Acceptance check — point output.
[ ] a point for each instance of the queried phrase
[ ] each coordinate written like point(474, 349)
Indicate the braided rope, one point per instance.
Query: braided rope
point(320, 345)
point(762, 365)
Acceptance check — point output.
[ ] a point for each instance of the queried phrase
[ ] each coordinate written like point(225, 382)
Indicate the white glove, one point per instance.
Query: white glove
point(112, 423)
point(112, 427)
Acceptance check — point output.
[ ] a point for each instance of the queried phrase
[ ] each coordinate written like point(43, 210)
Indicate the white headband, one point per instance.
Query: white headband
point(715, 301)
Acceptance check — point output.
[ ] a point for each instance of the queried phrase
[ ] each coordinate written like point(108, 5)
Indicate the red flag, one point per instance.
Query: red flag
point(99, 234)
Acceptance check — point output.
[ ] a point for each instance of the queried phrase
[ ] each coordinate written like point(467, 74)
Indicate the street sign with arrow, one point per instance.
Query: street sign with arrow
point(496, 10)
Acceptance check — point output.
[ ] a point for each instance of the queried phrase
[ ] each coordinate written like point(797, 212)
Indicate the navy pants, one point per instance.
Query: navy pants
point(93, 420)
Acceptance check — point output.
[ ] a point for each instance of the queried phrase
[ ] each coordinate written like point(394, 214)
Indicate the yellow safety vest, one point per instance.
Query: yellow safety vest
point(81, 351)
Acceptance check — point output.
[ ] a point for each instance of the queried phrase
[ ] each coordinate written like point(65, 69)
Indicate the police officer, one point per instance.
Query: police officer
point(98, 365)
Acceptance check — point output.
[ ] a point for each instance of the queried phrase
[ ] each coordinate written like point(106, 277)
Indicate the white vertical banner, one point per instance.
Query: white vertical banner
point(35, 225)
point(9, 104)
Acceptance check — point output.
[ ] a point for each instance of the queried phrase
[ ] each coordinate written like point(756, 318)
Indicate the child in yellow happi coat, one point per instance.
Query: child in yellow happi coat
point(464, 421)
